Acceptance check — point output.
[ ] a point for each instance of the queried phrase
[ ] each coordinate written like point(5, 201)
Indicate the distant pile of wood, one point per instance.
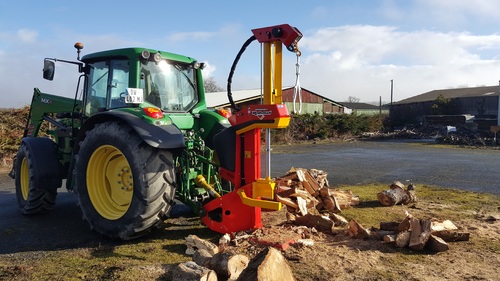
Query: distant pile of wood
point(412, 232)
point(209, 264)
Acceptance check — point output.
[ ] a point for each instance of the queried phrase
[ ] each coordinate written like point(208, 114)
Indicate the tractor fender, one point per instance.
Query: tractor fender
point(163, 136)
point(46, 169)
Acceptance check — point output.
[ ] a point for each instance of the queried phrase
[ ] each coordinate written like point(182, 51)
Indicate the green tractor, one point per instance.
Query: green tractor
point(137, 136)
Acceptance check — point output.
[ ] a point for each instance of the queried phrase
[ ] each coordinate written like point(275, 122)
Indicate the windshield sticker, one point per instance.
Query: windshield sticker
point(134, 95)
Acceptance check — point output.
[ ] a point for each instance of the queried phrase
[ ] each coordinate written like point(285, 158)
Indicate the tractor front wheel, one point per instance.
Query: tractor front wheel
point(125, 186)
point(30, 198)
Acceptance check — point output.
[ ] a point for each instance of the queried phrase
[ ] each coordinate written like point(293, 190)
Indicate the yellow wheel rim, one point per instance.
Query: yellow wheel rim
point(109, 182)
point(25, 178)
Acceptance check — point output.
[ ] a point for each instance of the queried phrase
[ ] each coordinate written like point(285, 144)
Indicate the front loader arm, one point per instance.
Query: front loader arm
point(42, 105)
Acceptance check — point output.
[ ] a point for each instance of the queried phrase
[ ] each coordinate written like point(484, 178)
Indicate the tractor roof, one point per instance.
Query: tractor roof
point(133, 53)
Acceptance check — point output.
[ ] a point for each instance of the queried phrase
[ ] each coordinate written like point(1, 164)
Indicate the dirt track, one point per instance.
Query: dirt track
point(346, 163)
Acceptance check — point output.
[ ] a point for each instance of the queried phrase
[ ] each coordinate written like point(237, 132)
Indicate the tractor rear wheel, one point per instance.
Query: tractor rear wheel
point(31, 199)
point(125, 186)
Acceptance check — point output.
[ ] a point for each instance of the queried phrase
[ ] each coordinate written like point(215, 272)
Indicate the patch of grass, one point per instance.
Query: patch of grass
point(434, 202)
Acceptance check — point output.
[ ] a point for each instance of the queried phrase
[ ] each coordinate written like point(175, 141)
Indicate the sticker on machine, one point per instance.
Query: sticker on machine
point(261, 114)
point(134, 95)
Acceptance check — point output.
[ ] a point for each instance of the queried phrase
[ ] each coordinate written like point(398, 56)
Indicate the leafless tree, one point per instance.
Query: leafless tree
point(210, 85)
point(353, 99)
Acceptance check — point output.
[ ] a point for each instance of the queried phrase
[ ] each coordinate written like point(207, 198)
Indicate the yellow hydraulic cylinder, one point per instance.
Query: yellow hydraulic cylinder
point(272, 72)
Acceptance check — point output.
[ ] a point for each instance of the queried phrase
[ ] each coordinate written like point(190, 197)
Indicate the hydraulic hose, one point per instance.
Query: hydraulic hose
point(233, 67)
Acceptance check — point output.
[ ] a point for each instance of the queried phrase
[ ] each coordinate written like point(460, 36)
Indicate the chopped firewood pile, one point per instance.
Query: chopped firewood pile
point(397, 195)
point(412, 232)
point(307, 191)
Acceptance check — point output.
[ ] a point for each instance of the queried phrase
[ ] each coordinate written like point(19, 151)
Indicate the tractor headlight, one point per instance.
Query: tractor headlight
point(145, 54)
point(196, 65)
point(157, 57)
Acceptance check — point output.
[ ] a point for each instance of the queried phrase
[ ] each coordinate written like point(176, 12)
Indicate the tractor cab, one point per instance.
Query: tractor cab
point(137, 77)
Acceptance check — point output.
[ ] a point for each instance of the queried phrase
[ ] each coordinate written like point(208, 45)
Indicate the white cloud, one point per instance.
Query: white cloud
point(361, 60)
point(208, 70)
point(27, 35)
point(198, 35)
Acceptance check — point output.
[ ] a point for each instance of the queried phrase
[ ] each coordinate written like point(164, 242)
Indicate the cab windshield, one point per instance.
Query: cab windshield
point(171, 86)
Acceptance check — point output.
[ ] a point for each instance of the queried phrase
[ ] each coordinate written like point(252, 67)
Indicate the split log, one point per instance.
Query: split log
point(319, 222)
point(379, 234)
point(389, 225)
point(356, 231)
point(302, 178)
point(290, 217)
point(390, 238)
point(269, 265)
point(312, 202)
point(331, 204)
point(280, 182)
point(294, 191)
point(190, 271)
point(301, 202)
point(312, 181)
point(338, 220)
point(397, 185)
point(202, 257)
point(406, 223)
point(437, 244)
point(411, 192)
point(325, 191)
point(287, 201)
point(446, 230)
point(403, 239)
point(392, 197)
point(194, 242)
point(420, 233)
point(229, 265)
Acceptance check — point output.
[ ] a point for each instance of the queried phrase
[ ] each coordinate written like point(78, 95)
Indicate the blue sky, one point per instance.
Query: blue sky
point(350, 48)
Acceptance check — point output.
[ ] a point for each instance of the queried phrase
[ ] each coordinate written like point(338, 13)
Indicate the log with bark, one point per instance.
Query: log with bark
point(269, 265)
point(190, 271)
point(194, 243)
point(403, 239)
point(356, 231)
point(202, 257)
point(389, 225)
point(229, 265)
point(437, 244)
point(397, 195)
point(420, 233)
point(319, 222)
point(447, 231)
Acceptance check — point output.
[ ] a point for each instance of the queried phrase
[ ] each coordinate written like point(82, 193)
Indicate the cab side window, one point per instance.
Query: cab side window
point(106, 84)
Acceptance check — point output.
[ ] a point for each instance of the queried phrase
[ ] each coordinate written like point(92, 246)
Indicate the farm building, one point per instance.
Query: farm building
point(359, 108)
point(476, 104)
point(311, 102)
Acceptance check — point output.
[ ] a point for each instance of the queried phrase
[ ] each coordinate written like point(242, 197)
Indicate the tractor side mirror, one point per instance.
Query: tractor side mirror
point(49, 68)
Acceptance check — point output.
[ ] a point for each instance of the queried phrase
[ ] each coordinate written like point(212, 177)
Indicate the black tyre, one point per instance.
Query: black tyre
point(125, 186)
point(31, 200)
